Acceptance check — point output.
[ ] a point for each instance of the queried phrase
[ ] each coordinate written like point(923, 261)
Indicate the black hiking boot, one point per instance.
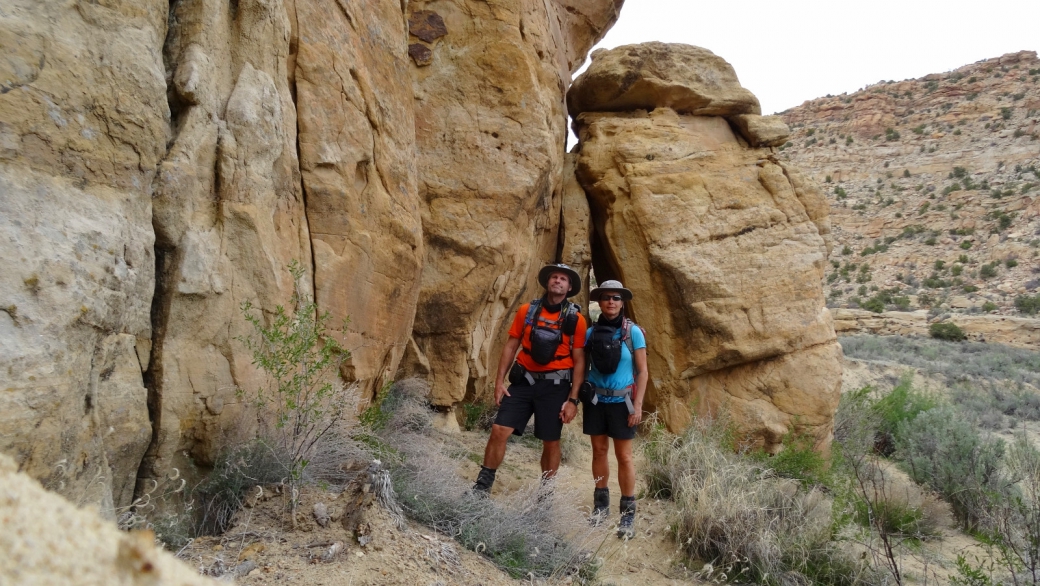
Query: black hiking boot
point(485, 479)
point(626, 528)
point(600, 506)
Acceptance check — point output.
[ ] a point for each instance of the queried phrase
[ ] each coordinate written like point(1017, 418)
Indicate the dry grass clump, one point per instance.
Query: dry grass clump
point(530, 532)
point(738, 515)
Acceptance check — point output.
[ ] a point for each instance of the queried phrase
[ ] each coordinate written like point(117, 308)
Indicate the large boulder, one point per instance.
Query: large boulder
point(84, 122)
point(490, 134)
point(687, 79)
point(724, 250)
point(48, 540)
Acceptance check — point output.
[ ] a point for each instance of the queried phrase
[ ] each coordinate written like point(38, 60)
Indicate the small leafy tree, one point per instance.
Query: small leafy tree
point(301, 359)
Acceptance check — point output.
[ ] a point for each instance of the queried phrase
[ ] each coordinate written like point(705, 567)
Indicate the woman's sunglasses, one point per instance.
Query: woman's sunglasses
point(610, 298)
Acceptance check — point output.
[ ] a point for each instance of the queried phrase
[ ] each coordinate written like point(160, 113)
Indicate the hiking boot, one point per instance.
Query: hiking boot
point(600, 506)
point(626, 527)
point(485, 479)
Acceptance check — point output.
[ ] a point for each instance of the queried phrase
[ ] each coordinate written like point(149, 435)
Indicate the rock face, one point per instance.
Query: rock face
point(228, 218)
point(47, 540)
point(490, 134)
point(78, 156)
point(161, 163)
point(724, 249)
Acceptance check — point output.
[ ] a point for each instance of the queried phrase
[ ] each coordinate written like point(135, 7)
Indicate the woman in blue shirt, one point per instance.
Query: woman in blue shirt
point(613, 407)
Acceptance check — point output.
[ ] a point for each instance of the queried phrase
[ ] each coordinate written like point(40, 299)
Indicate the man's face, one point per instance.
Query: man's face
point(559, 283)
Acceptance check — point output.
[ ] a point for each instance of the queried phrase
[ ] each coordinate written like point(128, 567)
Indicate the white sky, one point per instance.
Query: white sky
point(787, 52)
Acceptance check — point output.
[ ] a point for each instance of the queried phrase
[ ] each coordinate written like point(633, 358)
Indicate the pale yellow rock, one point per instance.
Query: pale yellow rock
point(79, 146)
point(688, 79)
point(357, 159)
point(47, 540)
point(575, 228)
point(229, 217)
point(725, 257)
point(490, 131)
point(761, 131)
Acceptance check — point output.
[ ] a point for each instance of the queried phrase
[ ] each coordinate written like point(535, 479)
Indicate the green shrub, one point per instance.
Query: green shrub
point(873, 304)
point(989, 306)
point(891, 134)
point(301, 358)
point(1028, 304)
point(941, 449)
point(1011, 263)
point(1005, 113)
point(846, 250)
point(946, 331)
point(901, 404)
point(988, 271)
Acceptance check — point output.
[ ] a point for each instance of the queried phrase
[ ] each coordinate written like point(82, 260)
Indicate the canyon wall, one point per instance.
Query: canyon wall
point(84, 123)
point(161, 163)
point(490, 136)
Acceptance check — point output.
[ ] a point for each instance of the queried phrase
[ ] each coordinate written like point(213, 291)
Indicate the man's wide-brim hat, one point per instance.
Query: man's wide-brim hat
point(543, 277)
point(607, 287)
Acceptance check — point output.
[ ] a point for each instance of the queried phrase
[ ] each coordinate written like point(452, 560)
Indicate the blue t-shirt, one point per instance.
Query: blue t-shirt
point(625, 374)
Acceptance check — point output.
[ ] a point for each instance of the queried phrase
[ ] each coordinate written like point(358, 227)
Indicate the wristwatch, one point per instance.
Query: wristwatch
point(573, 400)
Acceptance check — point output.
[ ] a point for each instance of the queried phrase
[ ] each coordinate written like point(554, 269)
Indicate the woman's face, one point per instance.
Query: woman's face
point(610, 304)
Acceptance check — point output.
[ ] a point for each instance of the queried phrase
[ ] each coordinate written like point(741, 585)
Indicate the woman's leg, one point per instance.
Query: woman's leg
point(626, 467)
point(600, 463)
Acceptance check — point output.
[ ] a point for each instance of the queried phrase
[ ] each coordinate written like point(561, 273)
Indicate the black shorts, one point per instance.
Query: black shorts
point(610, 419)
point(543, 399)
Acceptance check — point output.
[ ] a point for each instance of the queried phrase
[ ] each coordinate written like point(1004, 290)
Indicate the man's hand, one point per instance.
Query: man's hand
point(568, 411)
point(500, 391)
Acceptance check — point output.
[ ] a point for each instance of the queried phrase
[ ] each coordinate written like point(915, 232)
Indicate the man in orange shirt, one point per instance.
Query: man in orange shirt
point(544, 380)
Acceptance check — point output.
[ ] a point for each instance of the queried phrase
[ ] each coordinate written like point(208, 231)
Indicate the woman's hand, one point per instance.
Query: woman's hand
point(635, 418)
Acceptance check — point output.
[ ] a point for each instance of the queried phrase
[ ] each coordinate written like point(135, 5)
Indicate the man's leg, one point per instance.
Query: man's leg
point(495, 451)
point(550, 458)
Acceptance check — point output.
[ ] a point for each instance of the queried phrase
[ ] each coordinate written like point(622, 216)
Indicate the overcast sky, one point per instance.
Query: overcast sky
point(787, 52)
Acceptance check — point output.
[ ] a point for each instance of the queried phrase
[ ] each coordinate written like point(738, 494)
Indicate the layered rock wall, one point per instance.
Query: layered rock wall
point(161, 163)
point(722, 245)
point(79, 150)
point(490, 137)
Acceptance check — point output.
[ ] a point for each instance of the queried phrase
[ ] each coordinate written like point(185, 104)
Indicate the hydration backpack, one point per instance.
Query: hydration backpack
point(545, 339)
point(605, 350)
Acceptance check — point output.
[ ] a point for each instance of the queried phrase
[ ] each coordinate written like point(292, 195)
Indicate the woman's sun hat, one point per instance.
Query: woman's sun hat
point(607, 286)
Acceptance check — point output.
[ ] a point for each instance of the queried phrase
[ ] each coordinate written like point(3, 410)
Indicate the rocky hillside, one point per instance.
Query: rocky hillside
point(934, 188)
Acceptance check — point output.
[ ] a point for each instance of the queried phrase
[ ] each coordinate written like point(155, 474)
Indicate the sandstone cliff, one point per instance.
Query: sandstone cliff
point(722, 244)
point(490, 134)
point(161, 163)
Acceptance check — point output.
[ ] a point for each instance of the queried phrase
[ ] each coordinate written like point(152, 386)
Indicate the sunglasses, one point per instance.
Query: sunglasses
point(610, 298)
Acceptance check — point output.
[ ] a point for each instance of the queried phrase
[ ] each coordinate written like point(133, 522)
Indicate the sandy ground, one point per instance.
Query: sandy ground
point(265, 549)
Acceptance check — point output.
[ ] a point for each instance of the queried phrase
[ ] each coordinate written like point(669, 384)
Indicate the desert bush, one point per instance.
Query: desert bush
point(531, 532)
point(1028, 304)
point(946, 331)
point(306, 400)
point(941, 449)
point(740, 516)
point(1013, 517)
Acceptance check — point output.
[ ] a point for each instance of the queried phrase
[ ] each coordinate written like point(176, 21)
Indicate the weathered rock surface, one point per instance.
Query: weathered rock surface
point(48, 540)
point(1013, 331)
point(490, 134)
point(78, 154)
point(357, 157)
point(687, 79)
point(761, 131)
point(724, 250)
point(228, 217)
